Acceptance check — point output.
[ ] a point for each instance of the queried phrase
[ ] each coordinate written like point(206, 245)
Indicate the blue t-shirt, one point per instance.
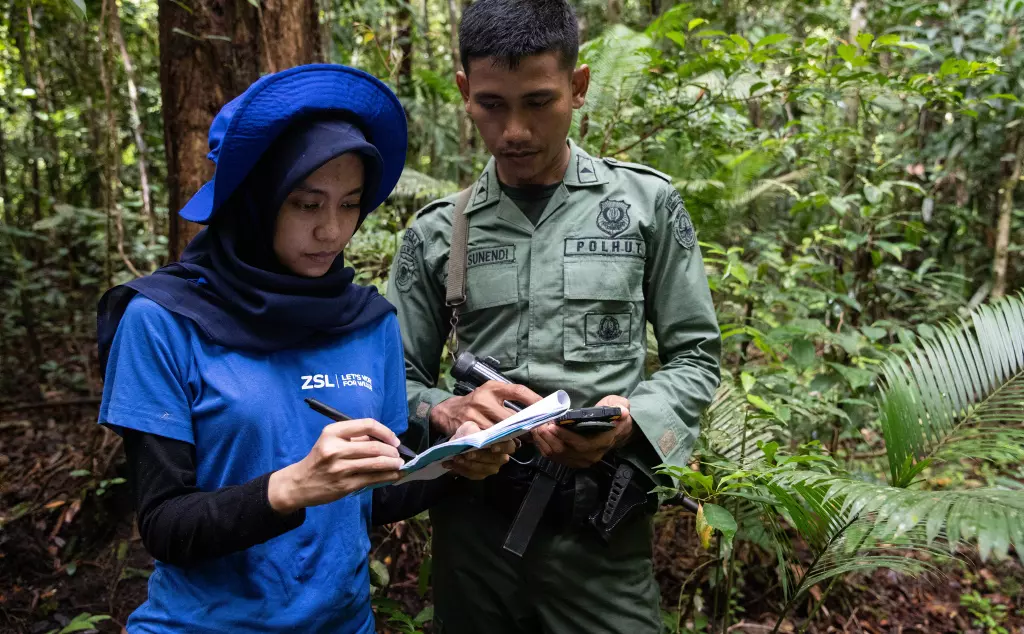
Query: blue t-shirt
point(246, 417)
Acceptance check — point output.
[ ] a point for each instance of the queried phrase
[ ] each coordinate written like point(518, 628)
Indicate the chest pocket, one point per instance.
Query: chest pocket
point(489, 323)
point(604, 309)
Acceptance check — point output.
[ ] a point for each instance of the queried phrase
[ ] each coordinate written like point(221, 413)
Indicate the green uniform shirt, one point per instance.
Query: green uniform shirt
point(564, 304)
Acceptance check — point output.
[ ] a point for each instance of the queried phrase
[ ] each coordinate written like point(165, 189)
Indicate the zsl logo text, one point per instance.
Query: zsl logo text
point(317, 381)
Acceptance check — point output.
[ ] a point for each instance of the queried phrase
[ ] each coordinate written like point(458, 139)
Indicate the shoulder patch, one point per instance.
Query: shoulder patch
point(434, 206)
point(637, 167)
point(682, 226)
point(407, 261)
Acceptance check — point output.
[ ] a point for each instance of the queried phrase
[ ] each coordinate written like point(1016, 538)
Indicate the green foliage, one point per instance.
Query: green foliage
point(957, 395)
point(845, 189)
point(84, 622)
point(985, 614)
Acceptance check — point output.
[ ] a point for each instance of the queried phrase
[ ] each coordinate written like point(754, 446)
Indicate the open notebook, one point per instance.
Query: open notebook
point(427, 465)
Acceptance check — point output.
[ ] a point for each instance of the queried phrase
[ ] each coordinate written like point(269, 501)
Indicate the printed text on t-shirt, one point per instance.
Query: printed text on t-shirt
point(317, 381)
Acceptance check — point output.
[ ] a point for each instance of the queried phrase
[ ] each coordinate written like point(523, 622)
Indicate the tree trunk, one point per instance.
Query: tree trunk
point(32, 165)
point(614, 12)
point(289, 34)
point(208, 56)
point(404, 84)
point(1002, 255)
point(5, 191)
point(461, 178)
point(113, 146)
point(848, 170)
point(43, 95)
point(148, 215)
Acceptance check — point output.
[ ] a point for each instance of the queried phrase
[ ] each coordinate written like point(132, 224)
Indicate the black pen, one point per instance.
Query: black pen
point(328, 411)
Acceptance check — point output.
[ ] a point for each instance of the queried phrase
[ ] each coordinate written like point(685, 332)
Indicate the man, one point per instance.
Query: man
point(568, 257)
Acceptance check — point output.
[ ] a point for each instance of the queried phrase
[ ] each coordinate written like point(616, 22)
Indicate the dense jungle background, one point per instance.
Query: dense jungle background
point(854, 171)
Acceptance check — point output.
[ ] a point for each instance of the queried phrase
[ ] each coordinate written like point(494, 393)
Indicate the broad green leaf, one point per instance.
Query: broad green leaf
point(80, 473)
point(847, 52)
point(695, 478)
point(892, 249)
point(864, 39)
point(677, 37)
point(872, 333)
point(748, 381)
point(694, 23)
point(720, 519)
point(872, 194)
point(379, 575)
point(887, 40)
point(740, 41)
point(914, 46)
point(1003, 95)
point(769, 40)
point(760, 403)
point(426, 615)
point(423, 581)
point(803, 353)
point(856, 377)
point(77, 7)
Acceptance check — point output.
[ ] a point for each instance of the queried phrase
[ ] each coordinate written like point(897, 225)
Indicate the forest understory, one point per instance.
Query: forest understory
point(69, 546)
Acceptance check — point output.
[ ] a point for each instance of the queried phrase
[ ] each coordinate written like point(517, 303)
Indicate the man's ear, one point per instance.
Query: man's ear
point(580, 85)
point(462, 81)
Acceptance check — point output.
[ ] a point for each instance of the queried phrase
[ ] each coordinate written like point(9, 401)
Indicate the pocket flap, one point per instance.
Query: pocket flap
point(604, 278)
point(488, 286)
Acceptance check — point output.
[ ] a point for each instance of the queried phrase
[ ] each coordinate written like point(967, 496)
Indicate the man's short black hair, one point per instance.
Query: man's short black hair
point(509, 30)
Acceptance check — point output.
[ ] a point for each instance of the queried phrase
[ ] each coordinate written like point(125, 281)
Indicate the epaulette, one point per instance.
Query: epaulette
point(437, 204)
point(637, 167)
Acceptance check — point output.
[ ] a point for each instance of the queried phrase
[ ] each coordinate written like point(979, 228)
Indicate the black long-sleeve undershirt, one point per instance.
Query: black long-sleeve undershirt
point(182, 525)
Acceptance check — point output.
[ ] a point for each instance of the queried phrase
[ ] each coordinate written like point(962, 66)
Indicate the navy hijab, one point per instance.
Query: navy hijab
point(230, 283)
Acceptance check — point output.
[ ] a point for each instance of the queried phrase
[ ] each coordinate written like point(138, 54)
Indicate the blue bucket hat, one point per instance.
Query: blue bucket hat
point(248, 125)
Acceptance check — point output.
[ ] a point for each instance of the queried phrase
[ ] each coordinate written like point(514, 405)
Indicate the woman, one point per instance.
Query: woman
point(244, 494)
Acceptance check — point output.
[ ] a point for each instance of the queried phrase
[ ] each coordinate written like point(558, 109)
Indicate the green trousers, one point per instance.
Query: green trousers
point(566, 582)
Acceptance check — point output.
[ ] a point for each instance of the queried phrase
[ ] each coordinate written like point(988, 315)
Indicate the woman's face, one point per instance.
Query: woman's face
point(319, 217)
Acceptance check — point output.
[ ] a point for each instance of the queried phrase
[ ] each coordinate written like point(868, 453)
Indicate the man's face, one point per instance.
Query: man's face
point(523, 115)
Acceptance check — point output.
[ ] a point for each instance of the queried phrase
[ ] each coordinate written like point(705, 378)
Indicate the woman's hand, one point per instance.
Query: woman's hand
point(480, 463)
point(347, 457)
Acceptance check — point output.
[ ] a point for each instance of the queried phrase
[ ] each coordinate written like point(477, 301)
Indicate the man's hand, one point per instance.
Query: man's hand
point(482, 406)
point(479, 463)
point(578, 451)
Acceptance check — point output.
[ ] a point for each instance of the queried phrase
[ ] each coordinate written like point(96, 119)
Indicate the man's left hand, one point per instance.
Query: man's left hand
point(577, 451)
point(479, 463)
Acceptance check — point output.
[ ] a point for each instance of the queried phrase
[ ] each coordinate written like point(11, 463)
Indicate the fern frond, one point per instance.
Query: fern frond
point(730, 433)
point(959, 393)
point(617, 63)
point(414, 184)
point(991, 518)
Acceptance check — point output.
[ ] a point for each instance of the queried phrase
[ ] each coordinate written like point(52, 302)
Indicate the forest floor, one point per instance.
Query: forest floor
point(68, 546)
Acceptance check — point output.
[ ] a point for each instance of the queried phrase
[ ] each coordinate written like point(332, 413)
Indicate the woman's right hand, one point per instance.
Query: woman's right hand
point(347, 457)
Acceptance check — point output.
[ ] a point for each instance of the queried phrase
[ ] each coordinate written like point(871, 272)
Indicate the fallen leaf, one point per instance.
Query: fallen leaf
point(54, 504)
point(941, 609)
point(72, 511)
